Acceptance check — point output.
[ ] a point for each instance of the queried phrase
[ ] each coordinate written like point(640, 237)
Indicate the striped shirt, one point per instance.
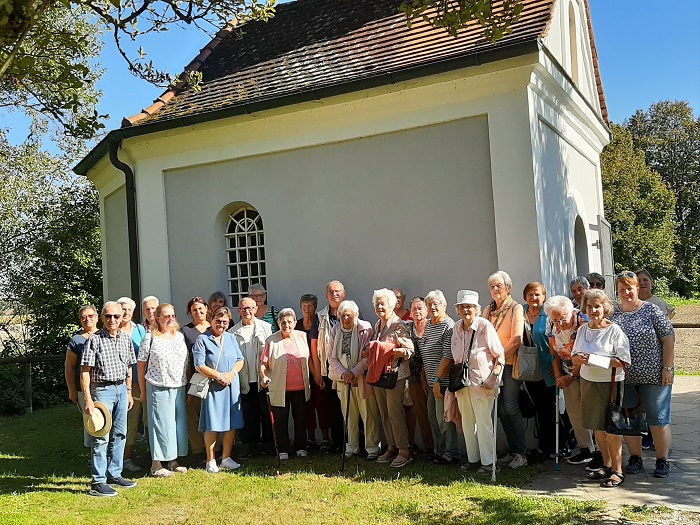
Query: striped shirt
point(435, 344)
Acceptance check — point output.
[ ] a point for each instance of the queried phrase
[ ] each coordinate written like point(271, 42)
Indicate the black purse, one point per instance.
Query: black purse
point(459, 372)
point(623, 421)
point(388, 378)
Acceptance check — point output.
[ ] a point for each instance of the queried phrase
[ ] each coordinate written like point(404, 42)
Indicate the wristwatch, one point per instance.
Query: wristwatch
point(670, 368)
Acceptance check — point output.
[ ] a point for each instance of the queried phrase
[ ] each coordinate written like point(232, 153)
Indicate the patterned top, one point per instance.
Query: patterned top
point(564, 340)
point(435, 344)
point(167, 360)
point(644, 328)
point(271, 317)
point(109, 356)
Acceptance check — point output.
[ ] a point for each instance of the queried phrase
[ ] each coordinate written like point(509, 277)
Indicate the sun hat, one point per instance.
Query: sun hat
point(467, 297)
point(100, 423)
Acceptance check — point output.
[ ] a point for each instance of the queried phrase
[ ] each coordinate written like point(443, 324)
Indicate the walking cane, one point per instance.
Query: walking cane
point(345, 433)
point(274, 431)
point(557, 466)
point(495, 426)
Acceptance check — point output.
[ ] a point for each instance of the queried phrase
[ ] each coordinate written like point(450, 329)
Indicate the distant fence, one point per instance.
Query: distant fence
point(28, 361)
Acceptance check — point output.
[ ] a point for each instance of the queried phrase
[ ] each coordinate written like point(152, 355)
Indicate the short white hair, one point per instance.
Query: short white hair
point(436, 296)
point(110, 303)
point(148, 299)
point(500, 275)
point(348, 305)
point(127, 300)
point(286, 312)
point(558, 303)
point(384, 293)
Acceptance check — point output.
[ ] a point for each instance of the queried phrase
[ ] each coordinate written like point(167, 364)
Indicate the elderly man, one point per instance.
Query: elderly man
point(106, 377)
point(400, 308)
point(251, 333)
point(148, 308)
point(326, 403)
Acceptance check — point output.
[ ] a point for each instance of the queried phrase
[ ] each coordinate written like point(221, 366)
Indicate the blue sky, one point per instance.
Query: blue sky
point(649, 50)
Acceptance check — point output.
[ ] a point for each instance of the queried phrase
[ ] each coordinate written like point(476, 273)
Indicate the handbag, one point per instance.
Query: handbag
point(459, 372)
point(623, 421)
point(527, 365)
point(199, 383)
point(389, 377)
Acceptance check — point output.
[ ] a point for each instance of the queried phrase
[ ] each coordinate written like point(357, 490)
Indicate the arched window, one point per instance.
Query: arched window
point(573, 37)
point(245, 250)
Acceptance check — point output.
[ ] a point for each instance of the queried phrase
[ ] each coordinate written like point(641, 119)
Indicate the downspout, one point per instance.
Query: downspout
point(131, 223)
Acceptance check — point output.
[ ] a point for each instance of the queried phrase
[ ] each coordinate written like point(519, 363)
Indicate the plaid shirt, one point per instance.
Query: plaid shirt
point(109, 356)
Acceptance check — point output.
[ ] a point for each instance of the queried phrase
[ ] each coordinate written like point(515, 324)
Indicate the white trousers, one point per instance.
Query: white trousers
point(477, 425)
point(365, 408)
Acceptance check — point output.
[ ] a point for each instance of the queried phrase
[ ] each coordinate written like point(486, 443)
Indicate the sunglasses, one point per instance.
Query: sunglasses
point(112, 316)
point(626, 274)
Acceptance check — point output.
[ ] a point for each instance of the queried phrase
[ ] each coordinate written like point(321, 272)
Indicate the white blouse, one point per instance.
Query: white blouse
point(167, 360)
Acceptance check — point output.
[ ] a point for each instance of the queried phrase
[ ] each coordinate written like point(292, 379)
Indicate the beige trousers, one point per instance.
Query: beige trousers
point(390, 403)
point(574, 407)
point(369, 412)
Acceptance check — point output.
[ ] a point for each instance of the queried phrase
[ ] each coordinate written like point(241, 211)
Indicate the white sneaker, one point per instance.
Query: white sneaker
point(284, 456)
point(519, 460)
point(211, 467)
point(229, 464)
point(130, 466)
point(302, 453)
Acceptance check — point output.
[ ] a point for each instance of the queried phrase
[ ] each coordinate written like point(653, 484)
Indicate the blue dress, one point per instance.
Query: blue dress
point(221, 410)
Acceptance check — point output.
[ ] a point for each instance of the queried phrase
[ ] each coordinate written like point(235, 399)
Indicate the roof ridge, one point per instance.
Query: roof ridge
point(596, 64)
point(194, 65)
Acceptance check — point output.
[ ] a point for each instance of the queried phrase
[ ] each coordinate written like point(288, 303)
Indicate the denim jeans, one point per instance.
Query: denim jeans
point(108, 451)
point(446, 439)
point(509, 412)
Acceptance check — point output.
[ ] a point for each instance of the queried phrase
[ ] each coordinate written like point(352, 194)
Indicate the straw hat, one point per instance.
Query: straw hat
point(467, 297)
point(100, 423)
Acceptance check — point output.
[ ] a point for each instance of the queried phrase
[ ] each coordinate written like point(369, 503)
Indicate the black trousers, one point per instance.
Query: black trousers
point(545, 400)
point(296, 403)
point(256, 417)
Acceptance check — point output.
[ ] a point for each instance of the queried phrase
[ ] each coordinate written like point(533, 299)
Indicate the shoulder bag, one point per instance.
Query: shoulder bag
point(527, 366)
point(623, 421)
point(459, 372)
point(199, 383)
point(389, 377)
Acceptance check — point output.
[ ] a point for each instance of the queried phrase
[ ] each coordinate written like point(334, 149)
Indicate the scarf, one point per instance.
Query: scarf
point(337, 350)
point(500, 313)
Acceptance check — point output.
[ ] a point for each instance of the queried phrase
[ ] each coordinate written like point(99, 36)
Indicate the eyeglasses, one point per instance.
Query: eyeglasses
point(168, 316)
point(626, 274)
point(335, 292)
point(112, 316)
point(597, 285)
point(89, 316)
point(258, 296)
point(221, 321)
point(245, 308)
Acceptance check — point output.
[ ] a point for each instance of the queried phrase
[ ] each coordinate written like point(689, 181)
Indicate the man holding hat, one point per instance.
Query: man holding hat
point(106, 383)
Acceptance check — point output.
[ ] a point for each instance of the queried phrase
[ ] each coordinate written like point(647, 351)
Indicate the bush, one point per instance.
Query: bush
point(48, 387)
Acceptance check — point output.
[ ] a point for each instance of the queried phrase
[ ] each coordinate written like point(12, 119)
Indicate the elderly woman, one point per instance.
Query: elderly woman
point(265, 312)
point(650, 375)
point(284, 369)
point(162, 365)
point(218, 357)
point(433, 347)
point(596, 280)
point(475, 342)
point(88, 323)
point(646, 284)
point(198, 310)
point(607, 342)
point(578, 286)
point(347, 368)
point(390, 329)
point(562, 325)
point(400, 308)
point(543, 393)
point(506, 316)
point(137, 333)
point(216, 300)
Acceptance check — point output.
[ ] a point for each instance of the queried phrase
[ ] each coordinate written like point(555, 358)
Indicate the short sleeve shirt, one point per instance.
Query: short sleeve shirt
point(109, 356)
point(76, 345)
point(167, 360)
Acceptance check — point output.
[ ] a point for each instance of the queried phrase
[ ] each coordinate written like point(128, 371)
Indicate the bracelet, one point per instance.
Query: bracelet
point(437, 379)
point(670, 368)
point(128, 388)
point(220, 377)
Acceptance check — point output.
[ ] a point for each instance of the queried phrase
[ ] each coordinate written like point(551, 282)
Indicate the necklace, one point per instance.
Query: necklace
point(596, 334)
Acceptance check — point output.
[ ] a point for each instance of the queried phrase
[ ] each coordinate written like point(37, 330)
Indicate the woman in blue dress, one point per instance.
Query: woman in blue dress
point(217, 356)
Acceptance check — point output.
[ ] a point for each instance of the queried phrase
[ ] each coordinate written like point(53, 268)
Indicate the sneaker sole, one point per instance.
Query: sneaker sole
point(583, 462)
point(100, 495)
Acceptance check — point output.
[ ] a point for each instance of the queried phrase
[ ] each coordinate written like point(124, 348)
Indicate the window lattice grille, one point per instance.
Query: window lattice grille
point(245, 250)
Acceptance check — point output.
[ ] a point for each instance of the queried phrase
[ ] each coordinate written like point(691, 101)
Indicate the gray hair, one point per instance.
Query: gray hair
point(256, 286)
point(580, 279)
point(608, 307)
point(86, 307)
point(384, 293)
point(348, 305)
point(558, 303)
point(127, 300)
point(108, 304)
point(148, 299)
point(286, 312)
point(334, 282)
point(502, 276)
point(218, 296)
point(436, 296)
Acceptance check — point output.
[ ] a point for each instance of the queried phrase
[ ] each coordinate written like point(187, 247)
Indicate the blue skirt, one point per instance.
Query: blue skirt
point(220, 412)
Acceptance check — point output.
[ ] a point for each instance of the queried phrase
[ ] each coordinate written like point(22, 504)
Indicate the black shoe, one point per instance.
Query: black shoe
point(647, 441)
point(662, 469)
point(596, 463)
point(635, 465)
point(244, 451)
point(102, 490)
point(327, 446)
point(584, 456)
point(121, 482)
point(446, 460)
point(536, 457)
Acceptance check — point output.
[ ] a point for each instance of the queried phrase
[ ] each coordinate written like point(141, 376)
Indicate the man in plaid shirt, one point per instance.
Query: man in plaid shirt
point(106, 377)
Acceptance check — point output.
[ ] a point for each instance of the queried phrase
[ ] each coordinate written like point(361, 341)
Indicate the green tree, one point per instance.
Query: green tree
point(669, 136)
point(639, 206)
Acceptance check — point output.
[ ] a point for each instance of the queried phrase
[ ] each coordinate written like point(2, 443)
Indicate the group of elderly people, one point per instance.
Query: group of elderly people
point(374, 388)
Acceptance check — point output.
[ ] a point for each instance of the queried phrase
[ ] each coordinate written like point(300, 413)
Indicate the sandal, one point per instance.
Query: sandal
point(174, 466)
point(611, 482)
point(162, 473)
point(601, 473)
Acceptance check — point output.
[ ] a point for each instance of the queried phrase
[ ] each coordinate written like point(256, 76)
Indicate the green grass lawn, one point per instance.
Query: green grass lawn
point(44, 478)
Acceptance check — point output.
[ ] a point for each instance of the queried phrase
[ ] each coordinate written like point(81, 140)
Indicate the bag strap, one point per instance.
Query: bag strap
point(221, 351)
point(469, 348)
